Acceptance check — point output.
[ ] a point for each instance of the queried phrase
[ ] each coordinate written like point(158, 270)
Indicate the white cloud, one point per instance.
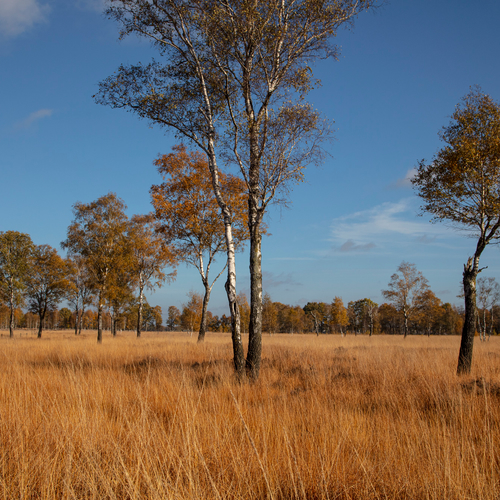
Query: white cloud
point(381, 227)
point(405, 182)
point(17, 16)
point(33, 117)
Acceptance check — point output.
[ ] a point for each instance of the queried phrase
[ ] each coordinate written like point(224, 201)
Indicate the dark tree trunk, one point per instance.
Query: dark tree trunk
point(11, 305)
point(255, 326)
point(99, 320)
point(81, 320)
point(139, 310)
point(469, 329)
point(41, 315)
point(203, 323)
point(77, 319)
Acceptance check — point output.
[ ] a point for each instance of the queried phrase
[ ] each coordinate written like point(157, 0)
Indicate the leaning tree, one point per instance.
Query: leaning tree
point(462, 186)
point(233, 79)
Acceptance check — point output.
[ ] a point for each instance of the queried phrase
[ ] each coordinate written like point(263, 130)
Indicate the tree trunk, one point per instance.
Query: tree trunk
point(203, 323)
point(139, 310)
point(81, 320)
point(77, 319)
point(41, 315)
point(469, 329)
point(11, 305)
point(99, 319)
point(230, 286)
point(255, 327)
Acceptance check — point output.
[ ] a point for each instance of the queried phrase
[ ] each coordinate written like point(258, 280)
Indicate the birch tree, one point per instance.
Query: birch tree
point(188, 215)
point(233, 79)
point(150, 256)
point(462, 187)
point(405, 291)
point(98, 233)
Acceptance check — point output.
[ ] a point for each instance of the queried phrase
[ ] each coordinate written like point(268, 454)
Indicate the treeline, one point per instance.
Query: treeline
point(111, 261)
point(64, 318)
point(358, 317)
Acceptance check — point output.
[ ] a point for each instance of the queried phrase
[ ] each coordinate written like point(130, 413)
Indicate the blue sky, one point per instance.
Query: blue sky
point(401, 72)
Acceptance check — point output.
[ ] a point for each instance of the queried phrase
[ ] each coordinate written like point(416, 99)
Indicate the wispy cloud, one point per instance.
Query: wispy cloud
point(381, 227)
point(33, 117)
point(404, 182)
point(18, 16)
point(271, 280)
point(350, 246)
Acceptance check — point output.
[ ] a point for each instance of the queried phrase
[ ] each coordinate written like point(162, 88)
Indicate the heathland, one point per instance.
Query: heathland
point(330, 417)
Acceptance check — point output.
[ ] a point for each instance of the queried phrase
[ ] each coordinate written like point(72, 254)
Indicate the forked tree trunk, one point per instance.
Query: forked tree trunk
point(255, 325)
point(469, 330)
point(203, 322)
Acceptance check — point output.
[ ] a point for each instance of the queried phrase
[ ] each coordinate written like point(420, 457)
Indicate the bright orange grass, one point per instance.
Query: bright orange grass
point(164, 418)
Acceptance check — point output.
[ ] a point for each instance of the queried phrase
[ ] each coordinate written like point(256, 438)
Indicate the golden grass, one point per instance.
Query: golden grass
point(164, 418)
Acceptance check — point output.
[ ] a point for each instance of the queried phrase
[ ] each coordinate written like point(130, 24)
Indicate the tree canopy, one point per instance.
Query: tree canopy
point(461, 186)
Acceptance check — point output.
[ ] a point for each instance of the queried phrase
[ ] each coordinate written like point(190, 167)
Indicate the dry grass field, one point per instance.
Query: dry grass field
point(164, 418)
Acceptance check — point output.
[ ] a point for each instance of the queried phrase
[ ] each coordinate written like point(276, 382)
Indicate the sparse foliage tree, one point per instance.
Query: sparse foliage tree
point(15, 253)
point(149, 257)
point(80, 292)
point(488, 293)
point(462, 186)
point(405, 291)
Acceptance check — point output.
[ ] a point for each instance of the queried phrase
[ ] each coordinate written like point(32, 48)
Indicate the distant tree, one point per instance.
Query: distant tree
point(173, 319)
point(80, 291)
point(48, 282)
point(339, 318)
point(428, 311)
point(405, 290)
point(188, 215)
point(389, 318)
point(149, 257)
point(191, 312)
point(269, 315)
point(462, 186)
point(319, 312)
point(244, 311)
point(65, 318)
point(15, 253)
point(488, 293)
point(98, 233)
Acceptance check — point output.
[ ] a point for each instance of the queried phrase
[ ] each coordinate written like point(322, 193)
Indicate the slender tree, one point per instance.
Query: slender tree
point(150, 256)
point(80, 292)
point(405, 291)
point(15, 253)
point(48, 282)
point(462, 186)
point(234, 77)
point(188, 215)
point(98, 233)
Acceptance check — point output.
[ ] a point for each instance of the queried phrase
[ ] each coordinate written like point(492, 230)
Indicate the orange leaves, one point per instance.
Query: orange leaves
point(185, 205)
